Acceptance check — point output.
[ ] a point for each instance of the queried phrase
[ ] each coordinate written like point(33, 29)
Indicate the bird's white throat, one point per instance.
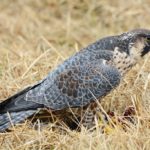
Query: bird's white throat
point(136, 49)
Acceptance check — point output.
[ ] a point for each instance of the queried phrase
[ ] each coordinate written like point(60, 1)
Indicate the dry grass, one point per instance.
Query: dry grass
point(35, 36)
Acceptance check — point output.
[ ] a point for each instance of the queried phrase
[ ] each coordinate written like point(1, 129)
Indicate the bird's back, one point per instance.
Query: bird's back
point(77, 81)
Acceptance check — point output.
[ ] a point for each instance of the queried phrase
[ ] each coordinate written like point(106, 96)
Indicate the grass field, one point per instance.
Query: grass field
point(36, 36)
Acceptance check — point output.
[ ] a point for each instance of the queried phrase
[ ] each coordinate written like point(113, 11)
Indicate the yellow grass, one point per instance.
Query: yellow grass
point(37, 35)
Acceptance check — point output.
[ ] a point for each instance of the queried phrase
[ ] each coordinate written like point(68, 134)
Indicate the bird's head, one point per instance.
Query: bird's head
point(138, 41)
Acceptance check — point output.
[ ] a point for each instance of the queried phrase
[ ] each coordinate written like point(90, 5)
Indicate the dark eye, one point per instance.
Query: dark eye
point(148, 39)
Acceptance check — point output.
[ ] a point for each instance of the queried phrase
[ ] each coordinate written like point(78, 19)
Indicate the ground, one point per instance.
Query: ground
point(36, 36)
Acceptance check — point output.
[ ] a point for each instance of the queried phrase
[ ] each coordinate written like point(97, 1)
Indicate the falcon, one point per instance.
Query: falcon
point(80, 81)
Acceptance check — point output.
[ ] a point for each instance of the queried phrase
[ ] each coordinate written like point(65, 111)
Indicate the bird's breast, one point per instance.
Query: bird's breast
point(122, 61)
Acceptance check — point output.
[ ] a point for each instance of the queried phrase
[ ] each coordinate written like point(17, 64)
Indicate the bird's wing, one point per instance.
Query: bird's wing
point(76, 86)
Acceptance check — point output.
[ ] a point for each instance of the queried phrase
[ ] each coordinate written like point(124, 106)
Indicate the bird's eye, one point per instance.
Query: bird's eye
point(148, 39)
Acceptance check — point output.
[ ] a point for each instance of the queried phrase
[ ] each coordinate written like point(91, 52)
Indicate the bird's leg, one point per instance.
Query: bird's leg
point(93, 113)
point(88, 120)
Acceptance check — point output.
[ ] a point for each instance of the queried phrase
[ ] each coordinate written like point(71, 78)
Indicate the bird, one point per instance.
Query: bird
point(81, 81)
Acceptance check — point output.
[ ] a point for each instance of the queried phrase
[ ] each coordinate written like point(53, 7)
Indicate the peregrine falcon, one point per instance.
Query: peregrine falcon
point(80, 81)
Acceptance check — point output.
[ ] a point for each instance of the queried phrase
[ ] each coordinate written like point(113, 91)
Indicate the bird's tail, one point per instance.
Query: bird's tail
point(9, 119)
point(16, 109)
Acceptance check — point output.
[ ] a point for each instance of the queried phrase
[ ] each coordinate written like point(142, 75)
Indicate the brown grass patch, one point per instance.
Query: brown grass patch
point(35, 36)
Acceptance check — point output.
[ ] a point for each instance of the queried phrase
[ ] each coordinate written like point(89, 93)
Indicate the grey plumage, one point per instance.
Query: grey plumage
point(9, 119)
point(80, 80)
point(73, 85)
